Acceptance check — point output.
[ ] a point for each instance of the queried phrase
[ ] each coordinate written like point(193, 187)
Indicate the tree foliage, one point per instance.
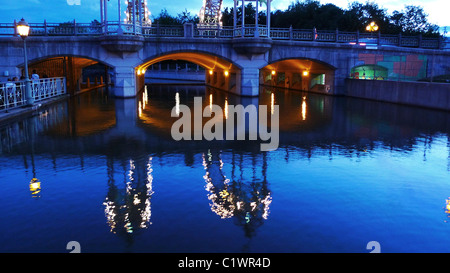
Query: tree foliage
point(164, 18)
point(413, 19)
point(308, 14)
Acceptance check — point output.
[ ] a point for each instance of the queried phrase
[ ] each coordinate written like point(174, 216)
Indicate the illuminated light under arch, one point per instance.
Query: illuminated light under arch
point(210, 62)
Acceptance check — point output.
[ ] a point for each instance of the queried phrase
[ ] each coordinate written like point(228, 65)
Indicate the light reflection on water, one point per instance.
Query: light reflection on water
point(346, 172)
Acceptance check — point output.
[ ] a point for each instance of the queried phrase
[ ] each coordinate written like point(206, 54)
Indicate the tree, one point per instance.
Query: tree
point(413, 20)
point(227, 17)
point(186, 17)
point(250, 12)
point(298, 15)
point(329, 16)
point(164, 18)
point(359, 15)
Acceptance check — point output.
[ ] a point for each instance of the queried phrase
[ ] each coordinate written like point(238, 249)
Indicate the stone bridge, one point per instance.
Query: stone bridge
point(236, 63)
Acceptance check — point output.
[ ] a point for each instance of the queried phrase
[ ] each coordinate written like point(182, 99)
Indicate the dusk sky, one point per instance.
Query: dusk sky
point(36, 11)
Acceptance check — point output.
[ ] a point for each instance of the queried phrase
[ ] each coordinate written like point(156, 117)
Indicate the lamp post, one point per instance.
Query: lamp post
point(372, 27)
point(24, 29)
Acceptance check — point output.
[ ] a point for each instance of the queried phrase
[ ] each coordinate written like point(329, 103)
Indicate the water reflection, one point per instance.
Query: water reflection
point(120, 142)
point(35, 188)
point(128, 204)
point(304, 108)
point(245, 195)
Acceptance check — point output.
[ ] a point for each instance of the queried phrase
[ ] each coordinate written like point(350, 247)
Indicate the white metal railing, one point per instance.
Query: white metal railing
point(47, 88)
point(13, 94)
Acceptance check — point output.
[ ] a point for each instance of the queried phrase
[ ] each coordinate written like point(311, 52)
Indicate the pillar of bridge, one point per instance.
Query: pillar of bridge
point(249, 81)
point(125, 82)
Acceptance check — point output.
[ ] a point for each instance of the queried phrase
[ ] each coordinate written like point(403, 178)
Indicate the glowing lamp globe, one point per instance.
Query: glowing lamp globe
point(23, 28)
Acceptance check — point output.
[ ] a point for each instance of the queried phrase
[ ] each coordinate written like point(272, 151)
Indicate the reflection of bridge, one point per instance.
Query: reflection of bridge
point(319, 125)
point(236, 59)
point(326, 121)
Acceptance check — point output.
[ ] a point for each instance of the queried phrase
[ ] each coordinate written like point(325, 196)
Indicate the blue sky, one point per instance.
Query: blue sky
point(36, 11)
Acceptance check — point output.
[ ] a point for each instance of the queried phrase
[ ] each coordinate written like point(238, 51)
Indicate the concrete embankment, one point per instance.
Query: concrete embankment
point(424, 94)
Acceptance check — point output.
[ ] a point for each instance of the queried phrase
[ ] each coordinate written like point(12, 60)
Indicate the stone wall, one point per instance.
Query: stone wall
point(424, 94)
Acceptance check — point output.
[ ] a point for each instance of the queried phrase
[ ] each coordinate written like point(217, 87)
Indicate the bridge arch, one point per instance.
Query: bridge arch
point(220, 72)
point(69, 66)
point(86, 57)
point(305, 74)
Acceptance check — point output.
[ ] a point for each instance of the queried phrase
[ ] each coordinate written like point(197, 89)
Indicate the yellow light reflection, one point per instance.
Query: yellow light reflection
point(143, 103)
point(272, 103)
point(35, 187)
point(140, 109)
point(226, 109)
point(210, 102)
point(447, 206)
point(304, 108)
point(177, 104)
point(145, 98)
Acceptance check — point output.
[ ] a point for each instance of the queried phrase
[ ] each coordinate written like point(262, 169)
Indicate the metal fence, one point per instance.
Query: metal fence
point(190, 30)
point(13, 94)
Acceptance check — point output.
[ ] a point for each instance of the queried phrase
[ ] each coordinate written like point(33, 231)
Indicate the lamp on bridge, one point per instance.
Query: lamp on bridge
point(24, 29)
point(372, 27)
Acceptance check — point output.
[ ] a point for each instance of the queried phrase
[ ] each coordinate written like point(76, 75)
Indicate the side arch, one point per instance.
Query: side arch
point(52, 56)
point(300, 73)
point(71, 67)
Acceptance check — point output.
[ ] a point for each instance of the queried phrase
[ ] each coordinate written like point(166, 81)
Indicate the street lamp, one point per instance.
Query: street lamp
point(372, 27)
point(24, 29)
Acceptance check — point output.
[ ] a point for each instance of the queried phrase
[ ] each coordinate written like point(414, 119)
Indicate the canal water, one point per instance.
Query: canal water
point(109, 176)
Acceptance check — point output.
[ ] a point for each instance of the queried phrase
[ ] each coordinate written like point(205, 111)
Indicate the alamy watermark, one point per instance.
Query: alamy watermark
point(240, 122)
point(74, 2)
point(374, 246)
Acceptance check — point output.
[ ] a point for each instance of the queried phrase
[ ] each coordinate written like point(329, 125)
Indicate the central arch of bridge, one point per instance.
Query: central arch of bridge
point(299, 73)
point(220, 73)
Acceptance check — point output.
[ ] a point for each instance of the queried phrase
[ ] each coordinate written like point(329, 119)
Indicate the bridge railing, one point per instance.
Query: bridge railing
point(163, 31)
point(213, 32)
point(112, 28)
point(48, 88)
point(55, 29)
point(13, 94)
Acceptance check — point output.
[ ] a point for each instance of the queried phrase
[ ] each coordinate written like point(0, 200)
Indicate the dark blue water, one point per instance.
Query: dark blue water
point(346, 172)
